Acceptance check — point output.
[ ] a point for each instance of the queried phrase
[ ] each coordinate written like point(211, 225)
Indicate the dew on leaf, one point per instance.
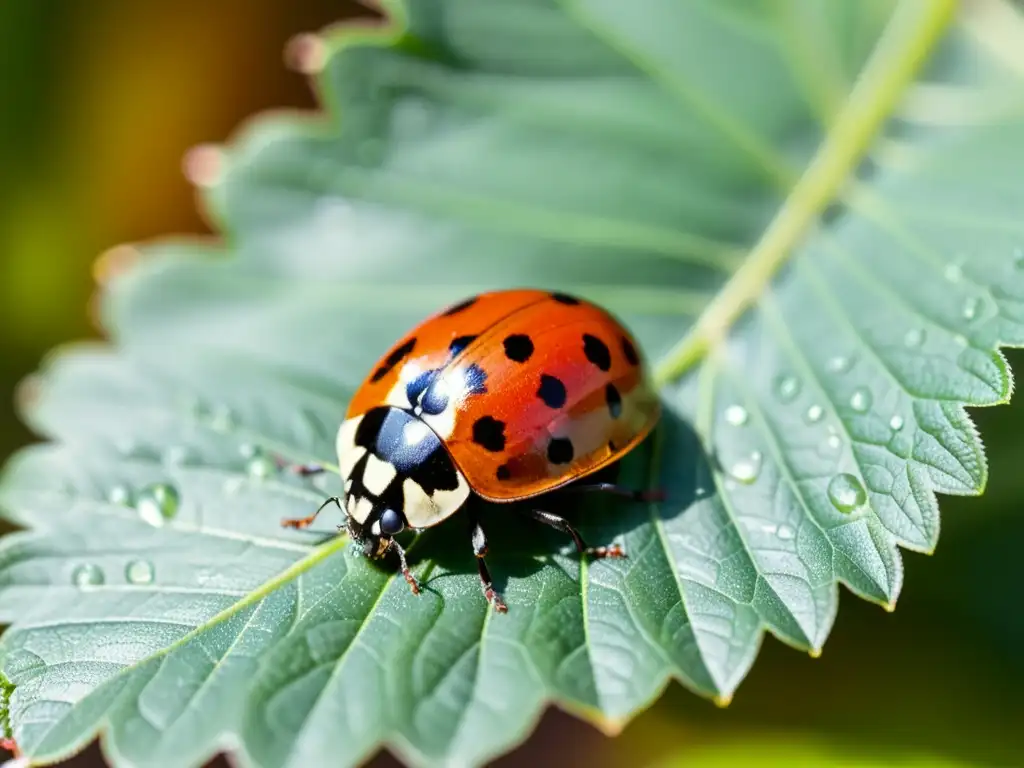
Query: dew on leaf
point(896, 423)
point(139, 572)
point(960, 340)
point(260, 466)
point(249, 451)
point(814, 414)
point(157, 503)
point(87, 575)
point(787, 387)
point(840, 364)
point(736, 415)
point(970, 310)
point(786, 533)
point(831, 444)
point(846, 492)
point(177, 455)
point(860, 400)
point(120, 494)
point(747, 469)
point(953, 272)
point(914, 337)
point(222, 419)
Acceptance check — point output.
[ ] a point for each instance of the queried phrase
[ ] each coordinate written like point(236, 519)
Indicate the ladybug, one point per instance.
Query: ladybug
point(505, 396)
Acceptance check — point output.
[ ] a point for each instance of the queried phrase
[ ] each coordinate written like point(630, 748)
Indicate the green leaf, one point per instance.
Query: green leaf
point(820, 255)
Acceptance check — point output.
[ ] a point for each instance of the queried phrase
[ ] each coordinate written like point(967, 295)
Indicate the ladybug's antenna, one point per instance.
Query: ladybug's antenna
point(304, 522)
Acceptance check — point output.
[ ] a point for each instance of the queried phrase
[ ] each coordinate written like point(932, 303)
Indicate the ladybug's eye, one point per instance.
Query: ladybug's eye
point(391, 523)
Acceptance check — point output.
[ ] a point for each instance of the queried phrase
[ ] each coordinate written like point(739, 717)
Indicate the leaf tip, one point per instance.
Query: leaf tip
point(28, 392)
point(114, 262)
point(890, 607)
point(306, 53)
point(723, 700)
point(815, 653)
point(204, 165)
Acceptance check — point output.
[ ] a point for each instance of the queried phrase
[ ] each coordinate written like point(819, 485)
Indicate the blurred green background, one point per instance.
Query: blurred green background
point(101, 99)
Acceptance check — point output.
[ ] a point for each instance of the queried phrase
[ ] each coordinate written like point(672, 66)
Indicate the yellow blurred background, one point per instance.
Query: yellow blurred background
point(100, 101)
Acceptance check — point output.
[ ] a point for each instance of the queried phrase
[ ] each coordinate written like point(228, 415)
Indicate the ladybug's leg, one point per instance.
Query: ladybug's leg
point(616, 490)
point(409, 578)
point(305, 522)
point(563, 525)
point(302, 470)
point(476, 533)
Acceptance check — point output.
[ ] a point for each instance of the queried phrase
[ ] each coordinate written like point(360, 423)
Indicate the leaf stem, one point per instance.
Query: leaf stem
point(913, 31)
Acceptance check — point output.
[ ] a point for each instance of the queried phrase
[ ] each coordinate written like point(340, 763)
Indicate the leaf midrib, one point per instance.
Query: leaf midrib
point(910, 36)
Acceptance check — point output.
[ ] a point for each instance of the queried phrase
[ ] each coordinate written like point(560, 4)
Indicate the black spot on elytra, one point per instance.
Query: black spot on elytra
point(476, 380)
point(597, 352)
point(398, 354)
point(614, 400)
point(551, 391)
point(460, 344)
point(630, 352)
point(518, 347)
point(489, 433)
point(503, 473)
point(415, 388)
point(456, 308)
point(564, 298)
point(560, 450)
point(611, 446)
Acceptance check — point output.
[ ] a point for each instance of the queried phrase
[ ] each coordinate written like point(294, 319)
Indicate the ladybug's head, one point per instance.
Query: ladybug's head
point(374, 534)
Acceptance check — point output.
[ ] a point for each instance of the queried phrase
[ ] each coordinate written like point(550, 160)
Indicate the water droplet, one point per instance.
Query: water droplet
point(787, 388)
point(746, 470)
point(120, 494)
point(960, 340)
point(846, 493)
point(832, 444)
point(177, 455)
point(222, 419)
point(814, 414)
point(786, 533)
point(139, 572)
point(736, 415)
point(971, 305)
point(261, 466)
point(914, 337)
point(896, 423)
point(157, 503)
point(840, 364)
point(87, 575)
point(249, 451)
point(953, 272)
point(860, 400)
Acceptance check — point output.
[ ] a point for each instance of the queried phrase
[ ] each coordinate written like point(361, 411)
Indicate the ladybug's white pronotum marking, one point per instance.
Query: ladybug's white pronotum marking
point(377, 475)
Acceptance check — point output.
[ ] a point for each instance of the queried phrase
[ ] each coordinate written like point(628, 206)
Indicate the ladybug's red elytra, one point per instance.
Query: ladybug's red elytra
point(506, 396)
